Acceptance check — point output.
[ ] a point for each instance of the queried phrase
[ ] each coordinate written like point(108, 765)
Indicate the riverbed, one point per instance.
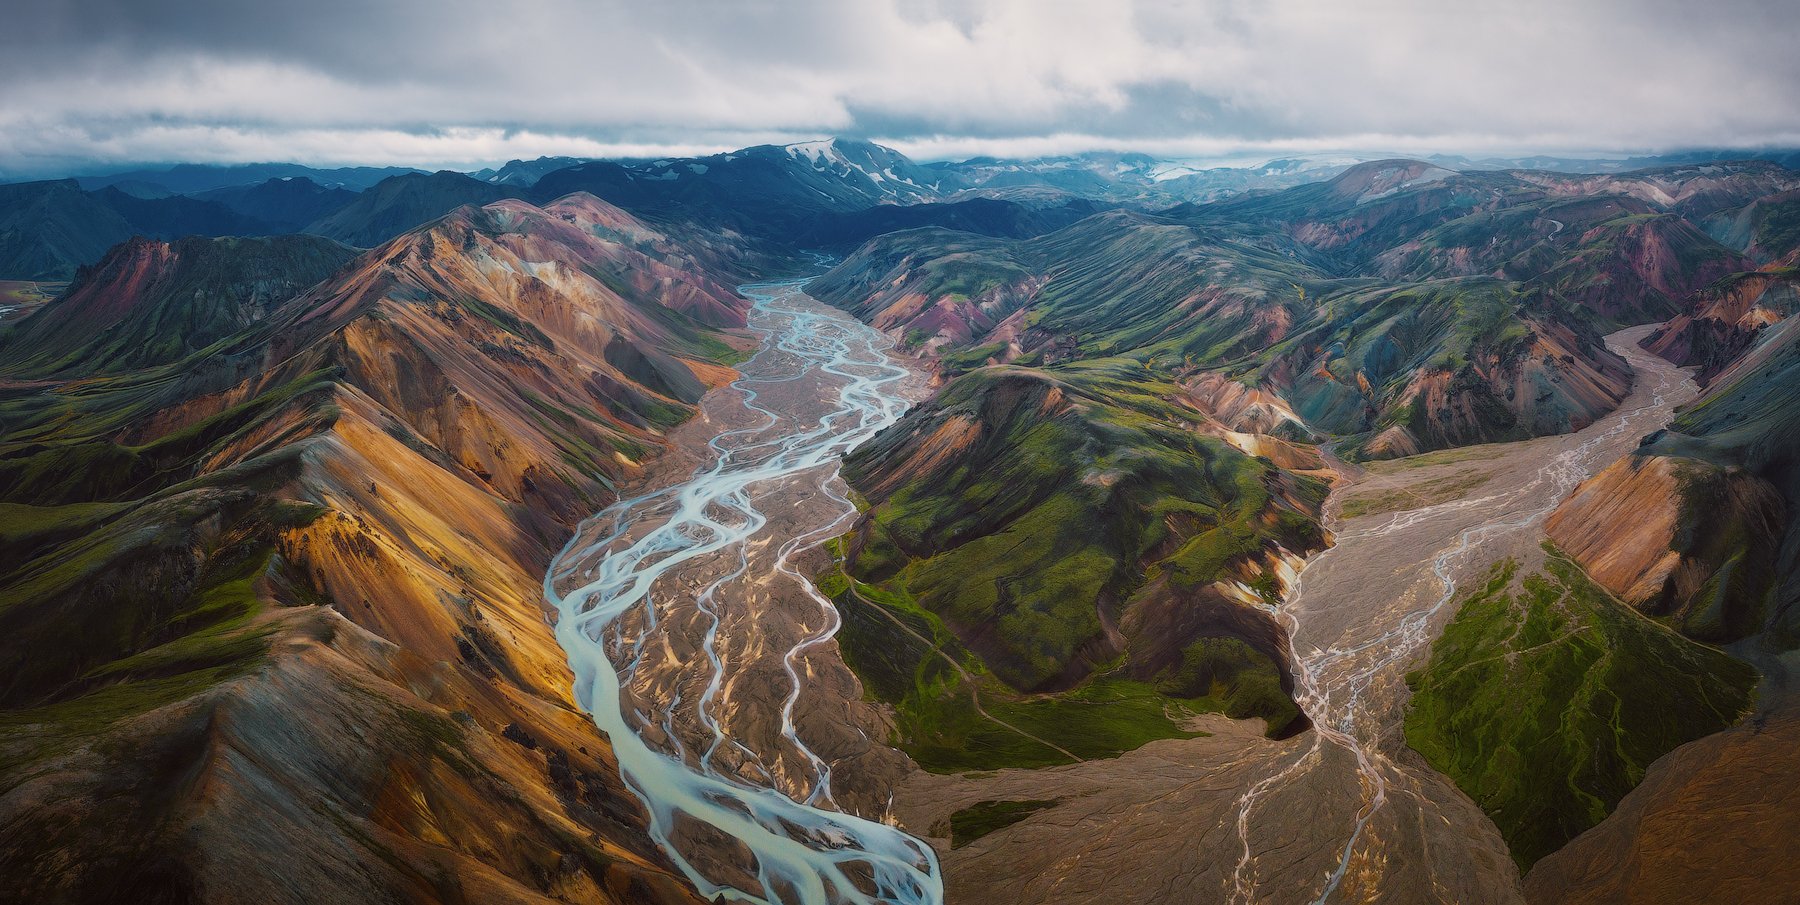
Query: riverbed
point(702, 650)
point(1346, 813)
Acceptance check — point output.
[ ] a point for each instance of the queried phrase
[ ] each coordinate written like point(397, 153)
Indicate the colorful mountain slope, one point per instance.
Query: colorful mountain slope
point(1697, 525)
point(1069, 529)
point(150, 302)
point(1546, 700)
point(1412, 365)
point(293, 584)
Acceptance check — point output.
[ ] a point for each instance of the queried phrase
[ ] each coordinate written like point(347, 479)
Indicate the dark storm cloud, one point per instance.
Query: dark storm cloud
point(463, 82)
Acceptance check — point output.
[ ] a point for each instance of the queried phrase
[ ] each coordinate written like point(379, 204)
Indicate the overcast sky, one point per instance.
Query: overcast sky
point(466, 84)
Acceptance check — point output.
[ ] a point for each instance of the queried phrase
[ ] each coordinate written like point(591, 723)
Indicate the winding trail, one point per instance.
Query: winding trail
point(967, 677)
point(693, 635)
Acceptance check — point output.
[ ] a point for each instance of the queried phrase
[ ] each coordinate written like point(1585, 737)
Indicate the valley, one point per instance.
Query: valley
point(1346, 812)
point(1380, 532)
point(701, 649)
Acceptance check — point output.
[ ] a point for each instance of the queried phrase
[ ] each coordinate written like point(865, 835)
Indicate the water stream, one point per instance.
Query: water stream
point(1334, 675)
point(615, 583)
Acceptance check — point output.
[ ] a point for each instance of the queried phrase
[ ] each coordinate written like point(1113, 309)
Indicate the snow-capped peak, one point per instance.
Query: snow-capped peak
point(818, 152)
point(888, 169)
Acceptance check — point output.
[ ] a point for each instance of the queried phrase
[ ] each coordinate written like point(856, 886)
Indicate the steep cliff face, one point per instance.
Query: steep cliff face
point(304, 571)
point(1677, 538)
point(1723, 322)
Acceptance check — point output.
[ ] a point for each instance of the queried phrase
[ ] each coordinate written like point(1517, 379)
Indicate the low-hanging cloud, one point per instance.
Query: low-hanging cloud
point(465, 83)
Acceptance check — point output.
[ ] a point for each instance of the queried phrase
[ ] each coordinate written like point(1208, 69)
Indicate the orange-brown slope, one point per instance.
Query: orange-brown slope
point(1713, 821)
point(341, 684)
point(1696, 525)
point(1723, 322)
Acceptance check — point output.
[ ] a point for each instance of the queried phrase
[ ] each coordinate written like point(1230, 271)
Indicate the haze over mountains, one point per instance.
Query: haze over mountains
point(284, 464)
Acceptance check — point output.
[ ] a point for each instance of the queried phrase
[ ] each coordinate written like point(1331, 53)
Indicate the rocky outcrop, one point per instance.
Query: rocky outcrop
point(1679, 538)
point(1723, 322)
point(1696, 526)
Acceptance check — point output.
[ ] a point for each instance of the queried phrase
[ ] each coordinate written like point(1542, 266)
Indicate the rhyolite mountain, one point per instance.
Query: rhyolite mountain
point(292, 581)
point(1696, 526)
point(1411, 304)
point(1043, 509)
point(150, 302)
point(1100, 538)
point(1695, 531)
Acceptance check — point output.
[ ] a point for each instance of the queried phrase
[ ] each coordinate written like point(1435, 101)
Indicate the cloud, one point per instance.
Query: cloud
point(464, 83)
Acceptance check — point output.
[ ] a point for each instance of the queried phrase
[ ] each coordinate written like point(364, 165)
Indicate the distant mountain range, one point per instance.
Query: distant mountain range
point(188, 178)
point(831, 193)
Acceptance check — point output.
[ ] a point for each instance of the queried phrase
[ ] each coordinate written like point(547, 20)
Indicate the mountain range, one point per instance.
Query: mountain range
point(282, 469)
point(825, 194)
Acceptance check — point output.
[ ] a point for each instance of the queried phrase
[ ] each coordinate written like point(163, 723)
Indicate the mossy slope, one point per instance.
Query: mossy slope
point(1545, 700)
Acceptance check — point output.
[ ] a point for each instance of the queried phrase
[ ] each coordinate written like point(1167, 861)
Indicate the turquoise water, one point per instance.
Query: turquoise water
point(806, 852)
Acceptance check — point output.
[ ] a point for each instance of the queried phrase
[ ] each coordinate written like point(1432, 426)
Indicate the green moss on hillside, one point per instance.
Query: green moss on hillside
point(1082, 483)
point(1545, 700)
point(978, 820)
point(906, 657)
